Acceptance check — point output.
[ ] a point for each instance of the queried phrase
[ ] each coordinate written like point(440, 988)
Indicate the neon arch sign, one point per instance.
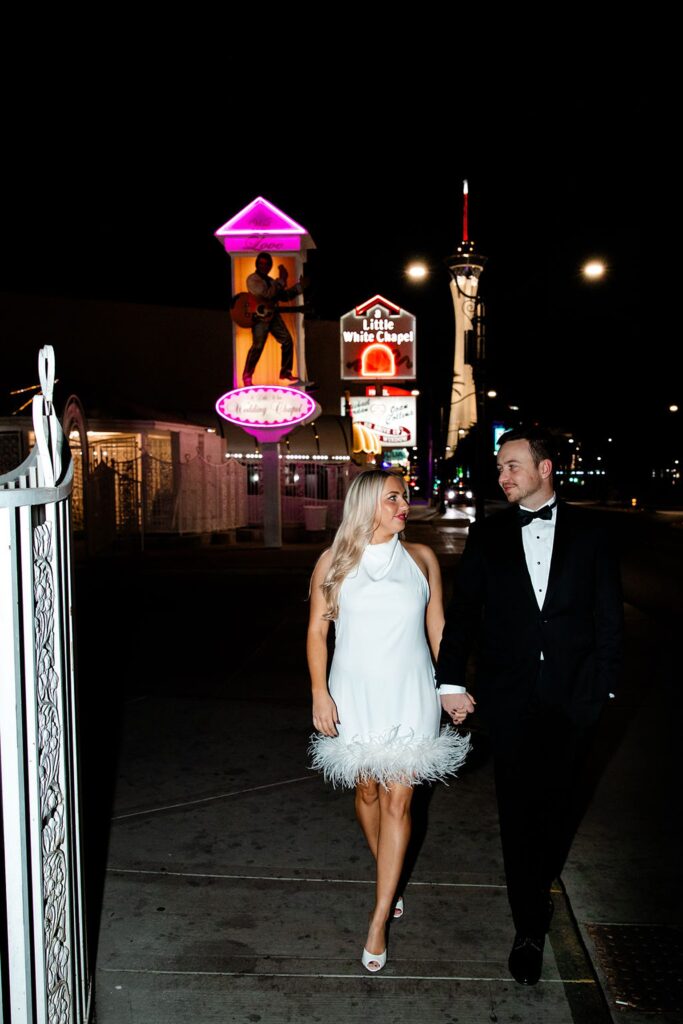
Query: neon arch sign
point(378, 360)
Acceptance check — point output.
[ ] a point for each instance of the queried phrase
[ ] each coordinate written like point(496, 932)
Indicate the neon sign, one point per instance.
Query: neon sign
point(377, 360)
point(393, 419)
point(265, 406)
point(377, 340)
point(267, 412)
point(262, 226)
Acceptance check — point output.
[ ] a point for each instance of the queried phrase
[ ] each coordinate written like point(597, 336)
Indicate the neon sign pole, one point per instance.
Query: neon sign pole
point(266, 411)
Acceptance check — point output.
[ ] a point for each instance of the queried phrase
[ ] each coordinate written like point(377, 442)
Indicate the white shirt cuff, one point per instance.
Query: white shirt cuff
point(450, 688)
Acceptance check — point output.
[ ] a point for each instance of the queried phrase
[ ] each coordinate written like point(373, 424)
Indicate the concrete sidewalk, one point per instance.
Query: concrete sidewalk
point(238, 885)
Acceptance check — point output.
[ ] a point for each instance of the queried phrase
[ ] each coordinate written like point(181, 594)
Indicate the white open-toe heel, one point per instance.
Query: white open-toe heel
point(398, 909)
point(373, 962)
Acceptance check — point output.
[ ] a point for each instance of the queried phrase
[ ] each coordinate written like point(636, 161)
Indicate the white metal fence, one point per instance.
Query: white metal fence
point(44, 973)
point(211, 497)
point(304, 486)
point(144, 491)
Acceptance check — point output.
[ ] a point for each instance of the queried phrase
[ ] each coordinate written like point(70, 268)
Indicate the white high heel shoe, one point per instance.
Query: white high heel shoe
point(373, 962)
point(398, 909)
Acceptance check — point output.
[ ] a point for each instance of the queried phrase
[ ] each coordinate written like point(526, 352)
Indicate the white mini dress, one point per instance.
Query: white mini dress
point(382, 680)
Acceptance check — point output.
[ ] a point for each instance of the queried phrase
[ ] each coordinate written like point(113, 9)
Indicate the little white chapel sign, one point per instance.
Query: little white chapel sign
point(377, 340)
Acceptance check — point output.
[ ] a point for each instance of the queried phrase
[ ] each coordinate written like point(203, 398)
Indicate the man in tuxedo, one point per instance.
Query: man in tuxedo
point(538, 587)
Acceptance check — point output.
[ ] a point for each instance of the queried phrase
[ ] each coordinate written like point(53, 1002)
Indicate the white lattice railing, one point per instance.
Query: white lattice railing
point(44, 970)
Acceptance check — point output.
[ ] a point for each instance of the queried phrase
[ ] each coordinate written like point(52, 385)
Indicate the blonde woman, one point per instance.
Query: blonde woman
point(378, 720)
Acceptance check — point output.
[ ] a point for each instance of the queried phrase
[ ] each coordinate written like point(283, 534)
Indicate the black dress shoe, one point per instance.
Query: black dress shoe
point(526, 959)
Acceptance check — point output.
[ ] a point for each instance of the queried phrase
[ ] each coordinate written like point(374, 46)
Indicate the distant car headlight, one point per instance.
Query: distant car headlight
point(450, 495)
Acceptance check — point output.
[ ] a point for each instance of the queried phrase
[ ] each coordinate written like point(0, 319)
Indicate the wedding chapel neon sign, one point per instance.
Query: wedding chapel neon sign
point(265, 407)
point(377, 340)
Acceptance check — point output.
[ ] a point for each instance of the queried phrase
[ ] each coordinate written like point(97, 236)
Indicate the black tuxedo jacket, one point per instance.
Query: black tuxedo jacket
point(578, 629)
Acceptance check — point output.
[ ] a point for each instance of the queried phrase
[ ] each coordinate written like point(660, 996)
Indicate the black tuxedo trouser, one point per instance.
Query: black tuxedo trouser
point(539, 756)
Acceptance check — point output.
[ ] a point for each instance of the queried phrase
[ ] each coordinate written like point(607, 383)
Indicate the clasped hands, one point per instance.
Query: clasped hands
point(458, 706)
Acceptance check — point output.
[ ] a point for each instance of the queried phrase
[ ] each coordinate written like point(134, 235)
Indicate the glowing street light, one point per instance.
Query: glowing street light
point(417, 271)
point(594, 270)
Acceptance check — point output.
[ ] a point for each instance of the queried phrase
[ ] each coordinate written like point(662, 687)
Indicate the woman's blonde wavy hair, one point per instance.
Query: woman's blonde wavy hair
point(359, 521)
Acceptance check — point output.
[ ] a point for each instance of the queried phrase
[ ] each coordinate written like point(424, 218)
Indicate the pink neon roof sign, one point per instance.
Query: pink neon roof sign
point(261, 225)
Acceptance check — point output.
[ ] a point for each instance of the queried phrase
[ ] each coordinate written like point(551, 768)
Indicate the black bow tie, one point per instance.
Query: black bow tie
point(524, 517)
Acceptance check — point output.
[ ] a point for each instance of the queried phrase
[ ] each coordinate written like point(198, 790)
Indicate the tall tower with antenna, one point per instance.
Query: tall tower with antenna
point(465, 266)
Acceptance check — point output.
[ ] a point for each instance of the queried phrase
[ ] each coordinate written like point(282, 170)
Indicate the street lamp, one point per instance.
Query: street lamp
point(593, 270)
point(417, 271)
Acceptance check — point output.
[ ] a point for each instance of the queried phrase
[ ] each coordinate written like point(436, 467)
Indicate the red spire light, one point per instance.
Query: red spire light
point(465, 194)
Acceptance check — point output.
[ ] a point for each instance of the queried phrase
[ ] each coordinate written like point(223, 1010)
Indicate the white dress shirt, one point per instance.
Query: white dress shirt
point(537, 538)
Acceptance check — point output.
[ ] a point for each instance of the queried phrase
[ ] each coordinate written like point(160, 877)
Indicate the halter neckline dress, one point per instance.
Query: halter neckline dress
point(382, 680)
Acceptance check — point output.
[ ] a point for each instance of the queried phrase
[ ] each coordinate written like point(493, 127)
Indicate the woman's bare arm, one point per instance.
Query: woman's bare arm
point(456, 705)
point(435, 615)
point(325, 715)
point(426, 561)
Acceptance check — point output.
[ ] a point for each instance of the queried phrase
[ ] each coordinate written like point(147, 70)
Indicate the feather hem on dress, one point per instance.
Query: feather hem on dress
point(389, 758)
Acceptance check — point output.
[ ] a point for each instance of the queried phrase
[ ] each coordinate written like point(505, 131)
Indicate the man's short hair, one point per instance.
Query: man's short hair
point(540, 441)
point(265, 256)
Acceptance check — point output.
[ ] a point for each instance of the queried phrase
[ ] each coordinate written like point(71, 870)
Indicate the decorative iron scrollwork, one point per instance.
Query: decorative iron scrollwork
point(52, 808)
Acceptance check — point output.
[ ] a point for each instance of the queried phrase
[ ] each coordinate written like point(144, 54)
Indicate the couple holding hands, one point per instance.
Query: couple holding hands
point(537, 589)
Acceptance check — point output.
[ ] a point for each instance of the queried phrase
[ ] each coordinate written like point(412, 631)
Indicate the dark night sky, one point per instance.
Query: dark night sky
point(115, 194)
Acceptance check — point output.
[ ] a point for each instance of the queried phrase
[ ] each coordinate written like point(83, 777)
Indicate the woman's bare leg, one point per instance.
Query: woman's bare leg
point(393, 837)
point(367, 812)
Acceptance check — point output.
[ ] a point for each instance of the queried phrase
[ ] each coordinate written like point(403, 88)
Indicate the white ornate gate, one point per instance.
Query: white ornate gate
point(44, 973)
